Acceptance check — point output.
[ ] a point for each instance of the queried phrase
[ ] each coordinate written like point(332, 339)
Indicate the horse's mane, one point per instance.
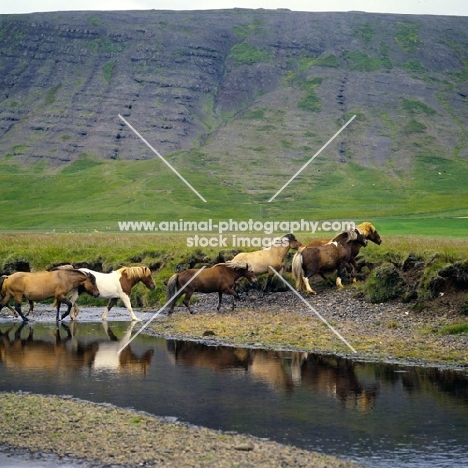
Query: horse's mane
point(366, 228)
point(345, 236)
point(62, 267)
point(135, 272)
point(237, 265)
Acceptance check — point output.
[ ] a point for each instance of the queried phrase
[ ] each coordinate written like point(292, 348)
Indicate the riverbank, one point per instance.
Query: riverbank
point(88, 435)
point(391, 332)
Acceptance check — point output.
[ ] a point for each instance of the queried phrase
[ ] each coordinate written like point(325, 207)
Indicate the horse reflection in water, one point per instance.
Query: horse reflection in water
point(283, 371)
point(57, 354)
point(108, 356)
point(337, 376)
point(65, 354)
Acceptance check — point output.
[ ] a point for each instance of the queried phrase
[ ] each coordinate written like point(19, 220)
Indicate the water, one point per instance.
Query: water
point(377, 414)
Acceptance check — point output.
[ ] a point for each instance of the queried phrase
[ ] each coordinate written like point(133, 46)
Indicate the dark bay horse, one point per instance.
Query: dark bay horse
point(335, 255)
point(219, 278)
point(45, 285)
point(274, 256)
point(367, 230)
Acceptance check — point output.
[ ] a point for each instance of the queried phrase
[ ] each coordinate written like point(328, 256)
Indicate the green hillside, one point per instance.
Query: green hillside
point(93, 195)
point(237, 101)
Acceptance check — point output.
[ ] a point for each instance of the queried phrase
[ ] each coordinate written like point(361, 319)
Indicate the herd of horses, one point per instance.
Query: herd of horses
point(65, 283)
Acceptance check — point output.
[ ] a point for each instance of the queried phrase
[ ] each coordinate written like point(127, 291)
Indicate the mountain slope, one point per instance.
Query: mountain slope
point(238, 101)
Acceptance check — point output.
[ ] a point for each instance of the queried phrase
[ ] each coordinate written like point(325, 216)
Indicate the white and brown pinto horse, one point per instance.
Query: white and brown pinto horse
point(116, 285)
point(335, 255)
point(273, 256)
point(43, 285)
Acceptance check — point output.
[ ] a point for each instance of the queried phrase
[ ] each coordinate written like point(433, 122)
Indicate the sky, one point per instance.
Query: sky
point(417, 7)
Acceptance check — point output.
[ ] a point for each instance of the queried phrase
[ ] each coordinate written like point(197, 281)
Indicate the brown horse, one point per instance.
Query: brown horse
point(274, 256)
point(333, 256)
point(367, 230)
point(219, 278)
point(45, 285)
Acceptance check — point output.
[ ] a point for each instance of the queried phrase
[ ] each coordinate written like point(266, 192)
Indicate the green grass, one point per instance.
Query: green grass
point(245, 54)
point(454, 329)
point(92, 194)
point(407, 36)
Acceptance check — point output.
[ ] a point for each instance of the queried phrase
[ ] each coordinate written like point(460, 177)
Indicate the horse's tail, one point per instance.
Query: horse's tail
point(171, 292)
point(297, 272)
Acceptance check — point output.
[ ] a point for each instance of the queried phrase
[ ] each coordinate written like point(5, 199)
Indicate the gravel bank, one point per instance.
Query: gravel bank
point(87, 435)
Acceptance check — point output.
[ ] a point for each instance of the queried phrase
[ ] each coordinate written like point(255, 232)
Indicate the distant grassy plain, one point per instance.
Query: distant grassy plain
point(93, 195)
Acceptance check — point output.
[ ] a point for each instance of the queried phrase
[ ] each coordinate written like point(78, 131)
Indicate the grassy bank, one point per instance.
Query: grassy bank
point(166, 254)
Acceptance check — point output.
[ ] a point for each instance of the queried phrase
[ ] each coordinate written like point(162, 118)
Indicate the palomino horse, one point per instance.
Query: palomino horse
point(274, 256)
point(367, 230)
point(45, 285)
point(219, 278)
point(333, 256)
point(116, 285)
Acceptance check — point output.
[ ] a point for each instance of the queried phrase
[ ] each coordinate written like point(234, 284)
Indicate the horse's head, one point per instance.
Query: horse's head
point(353, 235)
point(245, 269)
point(292, 241)
point(360, 238)
point(250, 274)
point(89, 284)
point(369, 231)
point(147, 279)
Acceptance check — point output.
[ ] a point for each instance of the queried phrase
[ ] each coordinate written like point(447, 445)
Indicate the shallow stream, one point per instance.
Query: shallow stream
point(377, 414)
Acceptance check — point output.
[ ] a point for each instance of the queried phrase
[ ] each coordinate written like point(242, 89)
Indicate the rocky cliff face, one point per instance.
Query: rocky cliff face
point(241, 82)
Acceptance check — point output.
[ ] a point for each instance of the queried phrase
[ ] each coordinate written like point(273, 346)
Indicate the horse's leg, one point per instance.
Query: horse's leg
point(31, 308)
point(220, 298)
point(234, 295)
point(268, 281)
point(73, 298)
point(18, 310)
point(69, 306)
point(309, 290)
point(128, 305)
point(186, 301)
point(110, 304)
point(327, 279)
point(341, 269)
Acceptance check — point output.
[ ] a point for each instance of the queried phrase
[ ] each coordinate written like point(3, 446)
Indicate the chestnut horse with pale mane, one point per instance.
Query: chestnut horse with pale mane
point(367, 230)
point(330, 257)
